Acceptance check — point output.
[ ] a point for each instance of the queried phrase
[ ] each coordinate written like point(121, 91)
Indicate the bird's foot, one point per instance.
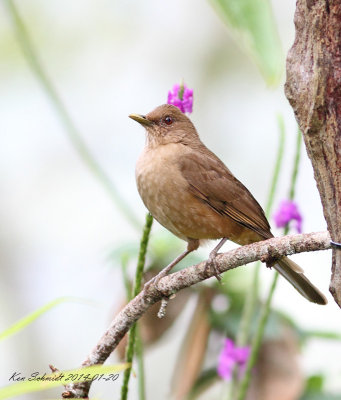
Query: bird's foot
point(211, 265)
point(156, 279)
point(154, 282)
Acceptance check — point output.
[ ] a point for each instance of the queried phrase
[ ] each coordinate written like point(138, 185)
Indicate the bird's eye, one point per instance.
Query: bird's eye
point(168, 120)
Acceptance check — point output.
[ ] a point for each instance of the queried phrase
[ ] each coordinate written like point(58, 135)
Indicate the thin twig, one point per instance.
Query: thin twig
point(171, 284)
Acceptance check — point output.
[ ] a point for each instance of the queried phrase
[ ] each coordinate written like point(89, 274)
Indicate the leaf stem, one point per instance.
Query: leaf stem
point(252, 296)
point(296, 165)
point(140, 366)
point(136, 291)
point(256, 343)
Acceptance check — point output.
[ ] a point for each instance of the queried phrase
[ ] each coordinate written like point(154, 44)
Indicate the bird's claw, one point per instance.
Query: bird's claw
point(211, 265)
point(155, 280)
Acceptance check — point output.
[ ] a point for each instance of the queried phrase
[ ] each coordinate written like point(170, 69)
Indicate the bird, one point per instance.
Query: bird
point(191, 192)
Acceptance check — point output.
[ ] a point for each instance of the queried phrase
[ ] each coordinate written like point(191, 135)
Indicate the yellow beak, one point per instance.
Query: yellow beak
point(141, 119)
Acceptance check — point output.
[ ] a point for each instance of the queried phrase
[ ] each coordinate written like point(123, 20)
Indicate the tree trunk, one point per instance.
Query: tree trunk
point(313, 88)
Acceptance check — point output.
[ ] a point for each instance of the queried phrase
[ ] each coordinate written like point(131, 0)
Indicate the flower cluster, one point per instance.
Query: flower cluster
point(287, 212)
point(182, 97)
point(230, 356)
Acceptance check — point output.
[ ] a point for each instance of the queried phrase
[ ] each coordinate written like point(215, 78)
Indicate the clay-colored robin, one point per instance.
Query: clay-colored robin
point(190, 191)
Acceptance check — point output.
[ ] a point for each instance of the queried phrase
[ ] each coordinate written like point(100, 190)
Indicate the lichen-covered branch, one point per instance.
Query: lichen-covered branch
point(276, 247)
point(313, 88)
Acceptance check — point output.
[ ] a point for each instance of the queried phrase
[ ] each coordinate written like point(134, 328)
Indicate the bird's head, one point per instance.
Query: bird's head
point(167, 124)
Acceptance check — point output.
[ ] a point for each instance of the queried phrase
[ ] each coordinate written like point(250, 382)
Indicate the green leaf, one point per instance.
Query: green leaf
point(254, 28)
point(61, 378)
point(315, 383)
point(22, 323)
point(320, 335)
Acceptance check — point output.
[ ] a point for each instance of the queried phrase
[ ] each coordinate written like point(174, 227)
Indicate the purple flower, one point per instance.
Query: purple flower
point(230, 356)
point(181, 97)
point(288, 211)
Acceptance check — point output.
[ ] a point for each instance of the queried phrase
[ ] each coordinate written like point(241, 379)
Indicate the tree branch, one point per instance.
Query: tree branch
point(275, 247)
point(313, 88)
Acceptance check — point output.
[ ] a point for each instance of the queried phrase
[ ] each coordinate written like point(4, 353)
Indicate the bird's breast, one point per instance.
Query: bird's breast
point(161, 186)
point(164, 191)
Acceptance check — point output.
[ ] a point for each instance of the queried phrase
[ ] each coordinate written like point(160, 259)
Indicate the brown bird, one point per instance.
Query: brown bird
point(190, 191)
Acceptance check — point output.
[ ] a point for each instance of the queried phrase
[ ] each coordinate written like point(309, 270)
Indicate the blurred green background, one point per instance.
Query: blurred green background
point(108, 59)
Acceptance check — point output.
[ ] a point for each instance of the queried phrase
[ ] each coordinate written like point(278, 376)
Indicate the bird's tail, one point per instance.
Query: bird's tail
point(293, 273)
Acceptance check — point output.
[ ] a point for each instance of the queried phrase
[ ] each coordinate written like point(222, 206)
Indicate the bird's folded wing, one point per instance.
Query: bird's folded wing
point(210, 181)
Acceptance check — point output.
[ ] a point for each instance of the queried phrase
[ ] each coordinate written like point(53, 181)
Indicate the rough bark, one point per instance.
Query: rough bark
point(313, 88)
point(271, 248)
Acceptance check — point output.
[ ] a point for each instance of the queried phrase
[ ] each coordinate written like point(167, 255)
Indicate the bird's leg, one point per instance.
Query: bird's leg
point(155, 280)
point(170, 266)
point(211, 262)
point(193, 244)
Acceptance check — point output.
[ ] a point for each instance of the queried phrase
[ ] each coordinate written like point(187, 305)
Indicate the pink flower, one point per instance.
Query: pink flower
point(181, 97)
point(230, 356)
point(288, 211)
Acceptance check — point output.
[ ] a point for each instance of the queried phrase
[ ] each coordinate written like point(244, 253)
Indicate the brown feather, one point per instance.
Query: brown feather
point(211, 181)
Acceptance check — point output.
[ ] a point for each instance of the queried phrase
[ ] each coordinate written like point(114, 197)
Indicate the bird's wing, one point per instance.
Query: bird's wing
point(210, 181)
